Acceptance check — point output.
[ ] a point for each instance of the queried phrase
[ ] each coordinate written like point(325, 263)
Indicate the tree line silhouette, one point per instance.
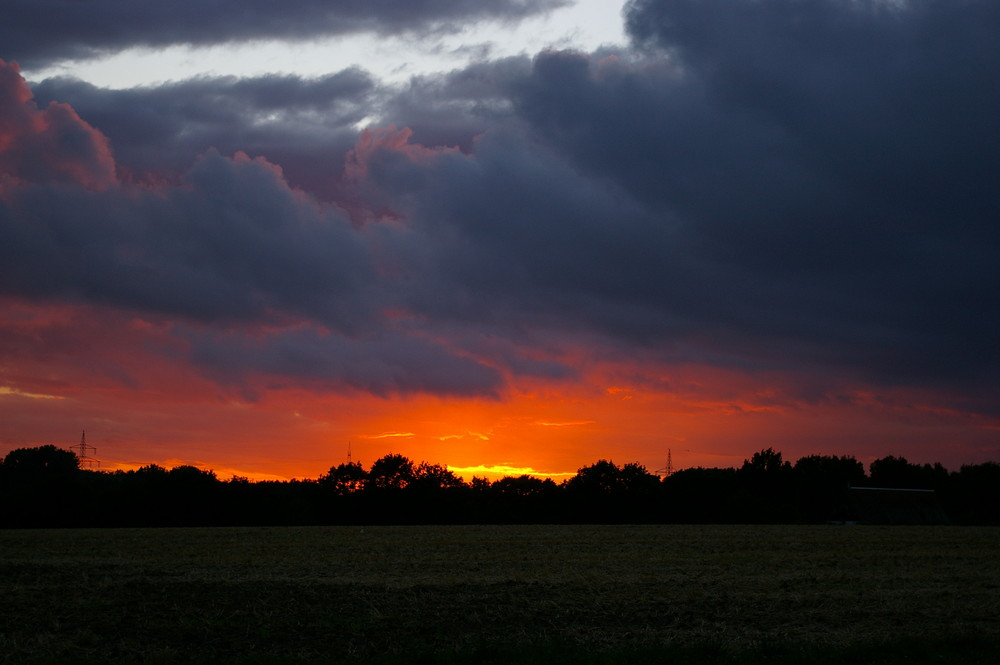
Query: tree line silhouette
point(46, 487)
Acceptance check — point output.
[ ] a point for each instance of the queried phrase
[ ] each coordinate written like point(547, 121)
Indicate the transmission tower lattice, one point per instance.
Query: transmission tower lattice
point(669, 468)
point(83, 453)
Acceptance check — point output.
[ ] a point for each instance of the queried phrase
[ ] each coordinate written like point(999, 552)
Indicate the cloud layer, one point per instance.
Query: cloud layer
point(769, 187)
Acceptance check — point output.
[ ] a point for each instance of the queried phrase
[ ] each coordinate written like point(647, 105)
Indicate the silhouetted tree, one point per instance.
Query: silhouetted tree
point(523, 499)
point(636, 479)
point(45, 487)
point(430, 477)
point(893, 471)
point(43, 461)
point(822, 482)
point(151, 473)
point(524, 486)
point(479, 484)
point(607, 493)
point(191, 476)
point(766, 482)
point(974, 495)
point(193, 496)
point(391, 471)
point(702, 496)
point(38, 487)
point(606, 478)
point(384, 500)
point(765, 462)
point(344, 478)
point(434, 494)
point(830, 470)
point(600, 478)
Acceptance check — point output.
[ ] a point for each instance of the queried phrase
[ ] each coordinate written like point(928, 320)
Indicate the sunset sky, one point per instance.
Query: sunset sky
point(509, 236)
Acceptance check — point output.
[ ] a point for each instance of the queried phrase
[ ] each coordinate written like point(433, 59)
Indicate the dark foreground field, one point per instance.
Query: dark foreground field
point(621, 594)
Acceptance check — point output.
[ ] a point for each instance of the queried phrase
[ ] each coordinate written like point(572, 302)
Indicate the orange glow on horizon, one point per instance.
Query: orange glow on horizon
point(498, 471)
point(301, 435)
point(144, 408)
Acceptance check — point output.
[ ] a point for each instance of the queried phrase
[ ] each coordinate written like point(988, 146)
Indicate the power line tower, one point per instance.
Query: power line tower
point(669, 468)
point(83, 451)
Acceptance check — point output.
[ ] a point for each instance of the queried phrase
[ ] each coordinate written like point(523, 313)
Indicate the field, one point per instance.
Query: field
point(591, 594)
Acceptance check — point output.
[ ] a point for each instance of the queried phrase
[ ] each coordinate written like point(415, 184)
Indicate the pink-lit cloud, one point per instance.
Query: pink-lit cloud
point(51, 144)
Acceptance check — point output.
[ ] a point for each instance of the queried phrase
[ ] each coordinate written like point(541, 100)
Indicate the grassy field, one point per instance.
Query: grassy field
point(591, 594)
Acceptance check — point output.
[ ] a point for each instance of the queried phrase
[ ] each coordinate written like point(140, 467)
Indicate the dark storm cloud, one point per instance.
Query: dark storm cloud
point(831, 166)
point(390, 363)
point(35, 32)
point(232, 243)
point(305, 125)
point(806, 187)
point(452, 109)
point(265, 285)
point(50, 144)
point(770, 184)
point(234, 250)
point(513, 237)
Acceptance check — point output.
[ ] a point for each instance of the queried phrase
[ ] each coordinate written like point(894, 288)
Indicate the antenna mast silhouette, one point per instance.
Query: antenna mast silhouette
point(348, 452)
point(669, 468)
point(82, 453)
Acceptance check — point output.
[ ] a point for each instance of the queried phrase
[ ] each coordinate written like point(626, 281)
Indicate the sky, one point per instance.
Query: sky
point(509, 237)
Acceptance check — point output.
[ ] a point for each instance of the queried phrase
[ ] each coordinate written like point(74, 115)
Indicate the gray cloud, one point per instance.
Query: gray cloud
point(34, 32)
point(49, 144)
point(390, 363)
point(305, 125)
point(231, 243)
point(829, 166)
point(803, 187)
point(452, 109)
point(784, 185)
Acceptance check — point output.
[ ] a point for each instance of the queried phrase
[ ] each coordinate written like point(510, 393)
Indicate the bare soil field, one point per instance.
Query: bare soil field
point(501, 594)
